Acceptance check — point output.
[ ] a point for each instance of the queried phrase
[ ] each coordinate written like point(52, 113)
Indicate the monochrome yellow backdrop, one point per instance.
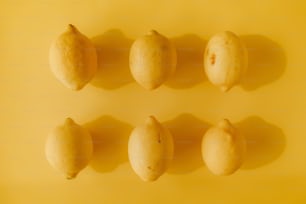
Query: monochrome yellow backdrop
point(268, 107)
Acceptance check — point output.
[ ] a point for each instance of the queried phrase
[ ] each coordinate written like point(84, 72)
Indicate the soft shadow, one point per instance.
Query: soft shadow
point(187, 132)
point(265, 142)
point(189, 70)
point(267, 62)
point(113, 60)
point(110, 137)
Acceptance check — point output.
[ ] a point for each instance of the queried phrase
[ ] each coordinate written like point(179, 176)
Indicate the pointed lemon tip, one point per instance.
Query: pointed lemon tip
point(149, 180)
point(224, 173)
point(224, 123)
point(71, 28)
point(152, 32)
point(69, 121)
point(228, 32)
point(151, 119)
point(151, 86)
point(76, 87)
point(225, 88)
point(71, 176)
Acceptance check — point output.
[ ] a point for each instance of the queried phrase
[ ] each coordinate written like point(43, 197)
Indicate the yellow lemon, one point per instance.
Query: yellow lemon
point(150, 150)
point(223, 149)
point(225, 60)
point(152, 60)
point(69, 148)
point(73, 59)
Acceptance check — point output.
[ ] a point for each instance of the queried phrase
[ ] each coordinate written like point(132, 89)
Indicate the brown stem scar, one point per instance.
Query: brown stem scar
point(212, 58)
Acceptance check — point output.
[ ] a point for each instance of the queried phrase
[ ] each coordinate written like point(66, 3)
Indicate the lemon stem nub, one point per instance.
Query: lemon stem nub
point(72, 28)
point(71, 176)
point(225, 88)
point(226, 125)
point(153, 32)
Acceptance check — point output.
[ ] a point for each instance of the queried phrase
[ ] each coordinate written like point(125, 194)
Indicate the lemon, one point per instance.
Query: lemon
point(150, 149)
point(152, 60)
point(225, 60)
point(69, 148)
point(73, 59)
point(223, 148)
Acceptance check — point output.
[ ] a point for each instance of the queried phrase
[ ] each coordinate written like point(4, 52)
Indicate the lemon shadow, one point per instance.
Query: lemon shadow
point(267, 62)
point(113, 60)
point(187, 132)
point(110, 138)
point(265, 142)
point(189, 69)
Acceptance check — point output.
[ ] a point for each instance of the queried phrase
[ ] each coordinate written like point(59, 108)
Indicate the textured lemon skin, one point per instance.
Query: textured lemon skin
point(150, 150)
point(69, 148)
point(225, 60)
point(223, 149)
point(153, 60)
point(73, 59)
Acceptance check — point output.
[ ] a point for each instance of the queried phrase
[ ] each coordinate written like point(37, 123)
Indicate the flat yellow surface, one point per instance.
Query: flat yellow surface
point(269, 106)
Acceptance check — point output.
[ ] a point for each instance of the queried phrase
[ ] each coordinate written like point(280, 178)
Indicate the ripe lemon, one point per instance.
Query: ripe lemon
point(73, 59)
point(152, 60)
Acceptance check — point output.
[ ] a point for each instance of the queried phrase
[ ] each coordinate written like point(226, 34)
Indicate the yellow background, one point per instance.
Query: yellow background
point(269, 107)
